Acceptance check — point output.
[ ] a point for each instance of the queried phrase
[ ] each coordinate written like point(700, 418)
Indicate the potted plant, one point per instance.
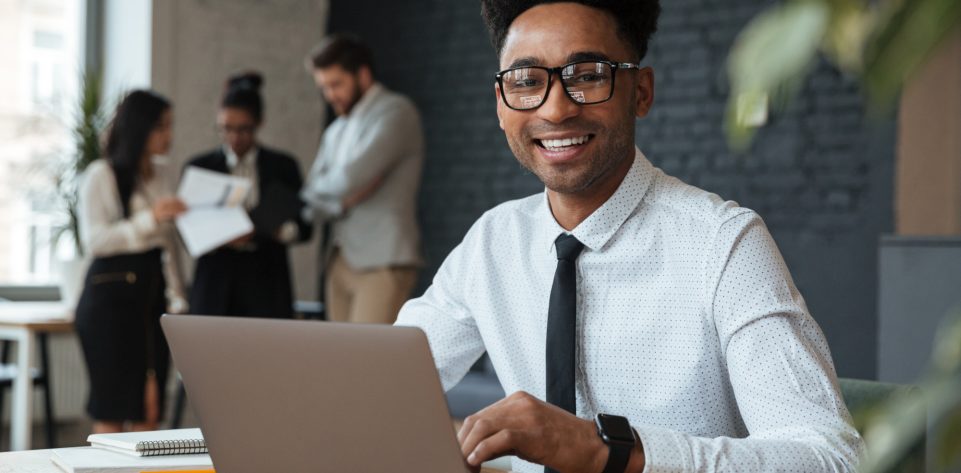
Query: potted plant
point(88, 123)
point(882, 43)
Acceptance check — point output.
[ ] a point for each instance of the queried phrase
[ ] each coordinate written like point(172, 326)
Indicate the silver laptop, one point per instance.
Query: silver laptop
point(307, 396)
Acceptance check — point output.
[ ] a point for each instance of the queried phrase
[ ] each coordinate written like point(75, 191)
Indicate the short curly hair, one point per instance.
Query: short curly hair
point(636, 19)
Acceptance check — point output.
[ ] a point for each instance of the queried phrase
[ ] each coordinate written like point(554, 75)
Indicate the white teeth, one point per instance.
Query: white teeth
point(556, 144)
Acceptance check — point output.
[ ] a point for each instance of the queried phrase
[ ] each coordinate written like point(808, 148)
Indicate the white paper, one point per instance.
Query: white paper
point(214, 213)
point(98, 460)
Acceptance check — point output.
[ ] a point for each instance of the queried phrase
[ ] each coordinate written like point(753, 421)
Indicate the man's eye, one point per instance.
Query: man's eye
point(525, 83)
point(589, 78)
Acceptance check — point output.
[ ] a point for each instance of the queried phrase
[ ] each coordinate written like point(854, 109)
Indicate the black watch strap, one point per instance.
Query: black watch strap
point(620, 438)
point(618, 457)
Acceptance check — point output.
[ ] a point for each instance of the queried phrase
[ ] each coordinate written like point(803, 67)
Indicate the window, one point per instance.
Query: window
point(42, 63)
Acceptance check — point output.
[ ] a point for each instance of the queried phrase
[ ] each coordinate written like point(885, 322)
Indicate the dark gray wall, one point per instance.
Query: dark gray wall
point(820, 172)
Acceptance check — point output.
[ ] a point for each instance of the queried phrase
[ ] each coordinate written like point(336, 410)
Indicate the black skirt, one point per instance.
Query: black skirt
point(244, 283)
point(118, 323)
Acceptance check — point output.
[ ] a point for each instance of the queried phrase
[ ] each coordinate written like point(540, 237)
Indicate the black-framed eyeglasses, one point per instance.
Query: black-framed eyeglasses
point(236, 130)
point(585, 83)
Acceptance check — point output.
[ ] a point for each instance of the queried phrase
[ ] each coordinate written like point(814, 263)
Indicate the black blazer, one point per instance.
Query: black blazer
point(249, 283)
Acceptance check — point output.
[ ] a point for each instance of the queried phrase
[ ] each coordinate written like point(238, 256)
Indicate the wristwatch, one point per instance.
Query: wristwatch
point(617, 433)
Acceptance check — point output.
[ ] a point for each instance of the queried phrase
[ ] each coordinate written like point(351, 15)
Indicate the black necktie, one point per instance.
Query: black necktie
point(561, 325)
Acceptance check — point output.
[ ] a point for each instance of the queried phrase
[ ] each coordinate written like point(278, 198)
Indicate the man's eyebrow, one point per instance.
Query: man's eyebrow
point(574, 57)
point(587, 56)
point(525, 62)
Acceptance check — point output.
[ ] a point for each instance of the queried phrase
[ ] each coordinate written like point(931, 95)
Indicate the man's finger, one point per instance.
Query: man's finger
point(480, 430)
point(503, 442)
point(490, 411)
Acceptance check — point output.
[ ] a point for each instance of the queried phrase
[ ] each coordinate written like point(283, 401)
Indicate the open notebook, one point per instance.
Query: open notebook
point(157, 442)
point(98, 460)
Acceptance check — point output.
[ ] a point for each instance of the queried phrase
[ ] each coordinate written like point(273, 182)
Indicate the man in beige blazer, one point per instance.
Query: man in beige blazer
point(364, 181)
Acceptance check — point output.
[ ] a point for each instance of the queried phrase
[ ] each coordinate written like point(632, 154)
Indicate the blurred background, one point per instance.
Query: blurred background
point(865, 204)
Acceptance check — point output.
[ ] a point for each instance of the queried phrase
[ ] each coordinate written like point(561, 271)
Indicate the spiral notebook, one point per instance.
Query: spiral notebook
point(152, 443)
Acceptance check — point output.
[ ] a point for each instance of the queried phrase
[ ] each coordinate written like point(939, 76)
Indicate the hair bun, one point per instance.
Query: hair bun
point(245, 80)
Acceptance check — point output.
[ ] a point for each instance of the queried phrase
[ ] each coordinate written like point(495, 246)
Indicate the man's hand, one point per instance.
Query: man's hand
point(535, 431)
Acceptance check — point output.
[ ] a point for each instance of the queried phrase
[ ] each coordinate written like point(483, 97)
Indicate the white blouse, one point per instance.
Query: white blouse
point(105, 232)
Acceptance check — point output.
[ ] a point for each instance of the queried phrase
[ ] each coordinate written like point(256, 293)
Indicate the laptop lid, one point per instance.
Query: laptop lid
point(288, 395)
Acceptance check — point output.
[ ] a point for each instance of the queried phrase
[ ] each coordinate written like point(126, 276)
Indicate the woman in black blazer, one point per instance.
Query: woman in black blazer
point(251, 275)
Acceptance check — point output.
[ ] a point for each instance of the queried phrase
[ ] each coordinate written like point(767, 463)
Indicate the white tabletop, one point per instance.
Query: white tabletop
point(38, 461)
point(23, 313)
point(29, 461)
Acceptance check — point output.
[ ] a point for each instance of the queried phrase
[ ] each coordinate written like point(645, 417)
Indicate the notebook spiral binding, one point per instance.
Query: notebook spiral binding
point(171, 447)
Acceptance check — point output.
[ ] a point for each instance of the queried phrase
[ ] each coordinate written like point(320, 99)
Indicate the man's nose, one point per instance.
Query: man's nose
point(557, 107)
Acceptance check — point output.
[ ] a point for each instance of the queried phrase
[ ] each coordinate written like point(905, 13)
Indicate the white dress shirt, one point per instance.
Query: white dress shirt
point(688, 324)
point(246, 167)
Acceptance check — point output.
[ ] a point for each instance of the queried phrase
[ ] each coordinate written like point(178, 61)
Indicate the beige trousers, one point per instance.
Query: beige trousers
point(370, 296)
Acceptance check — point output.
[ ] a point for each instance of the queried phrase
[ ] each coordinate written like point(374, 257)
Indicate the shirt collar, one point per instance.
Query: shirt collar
point(250, 157)
point(364, 103)
point(598, 228)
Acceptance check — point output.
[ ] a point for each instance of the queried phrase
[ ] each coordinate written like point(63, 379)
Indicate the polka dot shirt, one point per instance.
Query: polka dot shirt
point(688, 324)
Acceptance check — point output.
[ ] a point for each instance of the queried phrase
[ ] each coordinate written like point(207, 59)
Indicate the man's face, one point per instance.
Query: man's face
point(552, 35)
point(238, 129)
point(341, 89)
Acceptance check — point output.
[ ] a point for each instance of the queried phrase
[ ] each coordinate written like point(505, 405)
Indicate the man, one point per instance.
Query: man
point(364, 181)
point(621, 292)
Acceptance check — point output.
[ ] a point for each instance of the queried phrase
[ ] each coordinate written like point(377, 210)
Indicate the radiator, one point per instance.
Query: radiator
point(68, 377)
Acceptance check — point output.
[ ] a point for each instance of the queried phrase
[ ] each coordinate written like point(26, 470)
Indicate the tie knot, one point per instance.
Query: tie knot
point(568, 248)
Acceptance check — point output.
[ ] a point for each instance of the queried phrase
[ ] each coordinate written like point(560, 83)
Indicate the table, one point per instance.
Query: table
point(21, 322)
point(38, 461)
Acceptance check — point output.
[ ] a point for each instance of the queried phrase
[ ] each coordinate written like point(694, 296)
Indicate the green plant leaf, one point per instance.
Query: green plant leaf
point(770, 56)
point(908, 31)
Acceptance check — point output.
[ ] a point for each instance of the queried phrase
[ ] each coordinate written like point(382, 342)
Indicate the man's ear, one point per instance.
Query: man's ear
point(644, 88)
point(500, 106)
point(365, 77)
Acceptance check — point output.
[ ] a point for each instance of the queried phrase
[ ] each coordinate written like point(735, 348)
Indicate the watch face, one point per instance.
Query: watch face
point(615, 428)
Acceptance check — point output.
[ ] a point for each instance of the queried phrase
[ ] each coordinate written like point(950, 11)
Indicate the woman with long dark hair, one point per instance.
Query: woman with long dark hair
point(251, 276)
point(126, 212)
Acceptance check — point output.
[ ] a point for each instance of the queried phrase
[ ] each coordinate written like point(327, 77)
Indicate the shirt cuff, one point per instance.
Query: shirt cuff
point(288, 232)
point(177, 305)
point(332, 208)
point(665, 451)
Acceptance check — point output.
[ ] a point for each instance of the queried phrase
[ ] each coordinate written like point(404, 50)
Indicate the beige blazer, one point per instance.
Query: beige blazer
point(381, 136)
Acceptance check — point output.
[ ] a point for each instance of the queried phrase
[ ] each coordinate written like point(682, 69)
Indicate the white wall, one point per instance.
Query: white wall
point(126, 46)
point(198, 43)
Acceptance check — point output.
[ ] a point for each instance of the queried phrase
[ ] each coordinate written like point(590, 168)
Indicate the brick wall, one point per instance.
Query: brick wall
point(820, 173)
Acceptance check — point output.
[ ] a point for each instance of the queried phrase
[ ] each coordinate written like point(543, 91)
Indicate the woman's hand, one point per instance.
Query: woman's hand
point(168, 208)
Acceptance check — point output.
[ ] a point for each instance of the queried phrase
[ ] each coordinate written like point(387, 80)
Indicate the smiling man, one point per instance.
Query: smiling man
point(641, 324)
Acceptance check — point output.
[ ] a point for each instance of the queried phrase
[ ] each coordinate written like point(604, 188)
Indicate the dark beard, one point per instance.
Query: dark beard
point(353, 100)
